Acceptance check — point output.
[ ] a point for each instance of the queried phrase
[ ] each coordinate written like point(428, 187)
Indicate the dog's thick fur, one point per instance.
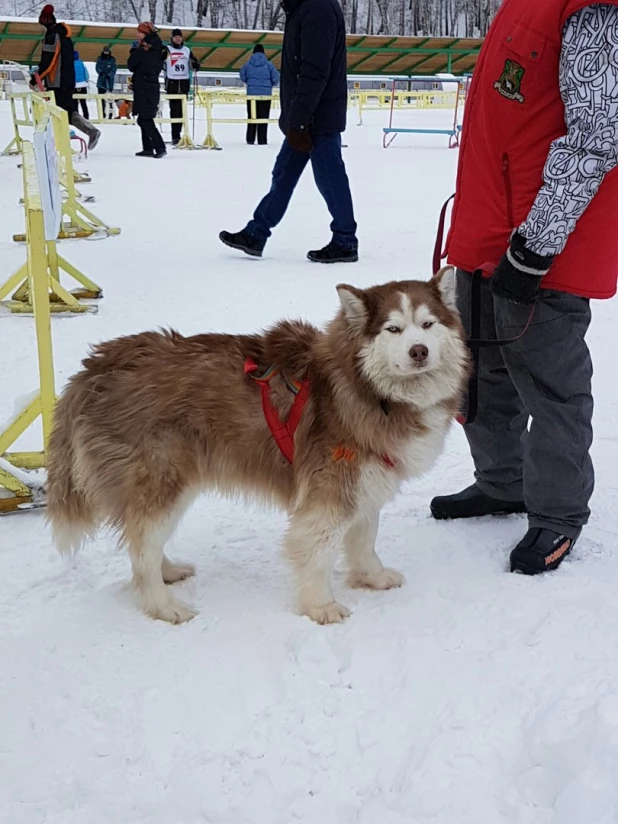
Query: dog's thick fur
point(155, 418)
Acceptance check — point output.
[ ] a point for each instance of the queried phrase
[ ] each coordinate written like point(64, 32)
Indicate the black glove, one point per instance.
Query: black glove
point(518, 275)
point(300, 139)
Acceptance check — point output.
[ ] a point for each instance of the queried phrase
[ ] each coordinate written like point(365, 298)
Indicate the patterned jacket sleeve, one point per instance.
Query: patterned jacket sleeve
point(578, 162)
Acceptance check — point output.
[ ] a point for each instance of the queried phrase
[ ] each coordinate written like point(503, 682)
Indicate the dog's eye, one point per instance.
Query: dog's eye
point(394, 330)
point(428, 324)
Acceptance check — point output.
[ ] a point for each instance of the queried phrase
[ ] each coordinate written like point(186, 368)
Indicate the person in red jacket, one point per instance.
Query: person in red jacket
point(536, 200)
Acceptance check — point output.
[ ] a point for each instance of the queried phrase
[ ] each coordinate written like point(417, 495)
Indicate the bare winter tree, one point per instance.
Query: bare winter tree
point(420, 18)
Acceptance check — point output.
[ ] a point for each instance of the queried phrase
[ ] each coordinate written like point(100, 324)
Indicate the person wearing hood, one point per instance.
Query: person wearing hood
point(145, 62)
point(81, 81)
point(106, 75)
point(56, 71)
point(259, 76)
point(180, 61)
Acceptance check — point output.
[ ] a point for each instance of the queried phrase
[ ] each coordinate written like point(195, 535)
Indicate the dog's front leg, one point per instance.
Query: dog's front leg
point(366, 569)
point(312, 544)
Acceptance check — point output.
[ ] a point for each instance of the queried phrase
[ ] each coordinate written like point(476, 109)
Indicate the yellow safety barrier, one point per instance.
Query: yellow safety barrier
point(48, 262)
point(23, 119)
point(26, 119)
point(227, 97)
point(213, 97)
point(185, 140)
point(77, 220)
point(364, 100)
point(12, 477)
point(369, 100)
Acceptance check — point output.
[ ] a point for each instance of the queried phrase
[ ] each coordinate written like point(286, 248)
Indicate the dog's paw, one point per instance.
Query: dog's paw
point(176, 572)
point(172, 611)
point(386, 579)
point(332, 613)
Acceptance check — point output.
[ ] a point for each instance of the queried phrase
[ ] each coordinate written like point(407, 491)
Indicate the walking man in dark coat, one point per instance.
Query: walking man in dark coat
point(313, 115)
point(146, 63)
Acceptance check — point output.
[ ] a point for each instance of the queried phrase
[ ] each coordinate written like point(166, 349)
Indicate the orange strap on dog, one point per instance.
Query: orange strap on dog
point(282, 432)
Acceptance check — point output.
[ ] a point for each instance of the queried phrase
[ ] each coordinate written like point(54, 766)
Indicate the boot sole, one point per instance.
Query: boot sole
point(238, 248)
point(498, 513)
point(527, 569)
point(334, 260)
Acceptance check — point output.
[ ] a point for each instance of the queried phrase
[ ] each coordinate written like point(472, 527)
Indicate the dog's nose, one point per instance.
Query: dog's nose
point(419, 353)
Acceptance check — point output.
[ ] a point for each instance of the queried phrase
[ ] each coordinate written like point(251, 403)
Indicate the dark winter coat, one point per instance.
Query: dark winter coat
point(259, 75)
point(314, 87)
point(146, 66)
point(57, 67)
point(106, 71)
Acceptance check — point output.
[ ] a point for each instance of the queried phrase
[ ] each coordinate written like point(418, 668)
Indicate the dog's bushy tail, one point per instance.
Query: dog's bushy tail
point(68, 511)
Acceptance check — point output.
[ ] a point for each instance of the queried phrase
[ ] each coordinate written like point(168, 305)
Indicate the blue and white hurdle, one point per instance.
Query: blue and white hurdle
point(390, 132)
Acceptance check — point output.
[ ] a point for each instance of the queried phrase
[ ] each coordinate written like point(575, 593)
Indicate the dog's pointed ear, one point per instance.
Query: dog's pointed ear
point(353, 303)
point(446, 284)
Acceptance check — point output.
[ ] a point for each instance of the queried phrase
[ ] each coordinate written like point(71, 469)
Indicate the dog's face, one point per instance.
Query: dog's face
point(407, 329)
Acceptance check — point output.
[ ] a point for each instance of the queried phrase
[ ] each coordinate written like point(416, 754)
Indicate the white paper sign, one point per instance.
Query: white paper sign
point(47, 169)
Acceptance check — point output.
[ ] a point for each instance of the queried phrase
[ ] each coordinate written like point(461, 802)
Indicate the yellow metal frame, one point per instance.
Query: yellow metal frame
point(208, 99)
point(364, 100)
point(14, 147)
point(376, 100)
point(49, 264)
point(44, 402)
point(26, 120)
point(99, 120)
point(77, 221)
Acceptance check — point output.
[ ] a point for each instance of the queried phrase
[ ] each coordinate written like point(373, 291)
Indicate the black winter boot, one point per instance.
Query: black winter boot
point(540, 550)
point(333, 253)
point(472, 503)
point(244, 242)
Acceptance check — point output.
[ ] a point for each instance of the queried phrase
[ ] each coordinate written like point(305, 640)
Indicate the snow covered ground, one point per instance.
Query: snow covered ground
point(470, 696)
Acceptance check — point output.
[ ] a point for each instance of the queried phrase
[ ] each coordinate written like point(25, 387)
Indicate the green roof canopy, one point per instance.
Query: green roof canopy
point(221, 50)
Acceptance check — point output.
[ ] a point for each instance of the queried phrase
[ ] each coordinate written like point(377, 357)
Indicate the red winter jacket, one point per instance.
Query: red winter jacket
point(513, 113)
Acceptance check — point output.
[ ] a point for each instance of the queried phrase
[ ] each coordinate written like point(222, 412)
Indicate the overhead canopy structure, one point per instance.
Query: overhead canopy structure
point(221, 50)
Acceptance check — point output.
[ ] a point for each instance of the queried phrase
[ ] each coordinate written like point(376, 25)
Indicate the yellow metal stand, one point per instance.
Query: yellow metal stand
point(208, 99)
point(209, 140)
point(49, 263)
point(112, 97)
point(61, 300)
point(77, 221)
point(11, 476)
point(14, 147)
point(185, 140)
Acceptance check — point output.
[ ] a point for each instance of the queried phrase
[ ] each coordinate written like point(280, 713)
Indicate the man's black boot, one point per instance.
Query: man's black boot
point(472, 503)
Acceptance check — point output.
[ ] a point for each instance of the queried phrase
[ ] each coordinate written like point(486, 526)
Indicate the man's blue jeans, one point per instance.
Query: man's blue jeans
point(332, 182)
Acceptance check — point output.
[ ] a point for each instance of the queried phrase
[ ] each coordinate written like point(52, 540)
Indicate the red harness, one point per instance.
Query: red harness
point(283, 433)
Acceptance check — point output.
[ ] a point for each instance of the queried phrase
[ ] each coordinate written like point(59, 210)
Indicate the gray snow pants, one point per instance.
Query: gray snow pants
point(545, 376)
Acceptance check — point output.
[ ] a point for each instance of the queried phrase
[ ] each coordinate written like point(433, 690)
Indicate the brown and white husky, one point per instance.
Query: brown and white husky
point(154, 419)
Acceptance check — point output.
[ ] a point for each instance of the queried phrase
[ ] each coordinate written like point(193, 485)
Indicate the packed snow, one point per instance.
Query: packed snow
point(470, 696)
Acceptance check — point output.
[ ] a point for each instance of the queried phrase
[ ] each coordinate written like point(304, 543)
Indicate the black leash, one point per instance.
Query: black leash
point(475, 343)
